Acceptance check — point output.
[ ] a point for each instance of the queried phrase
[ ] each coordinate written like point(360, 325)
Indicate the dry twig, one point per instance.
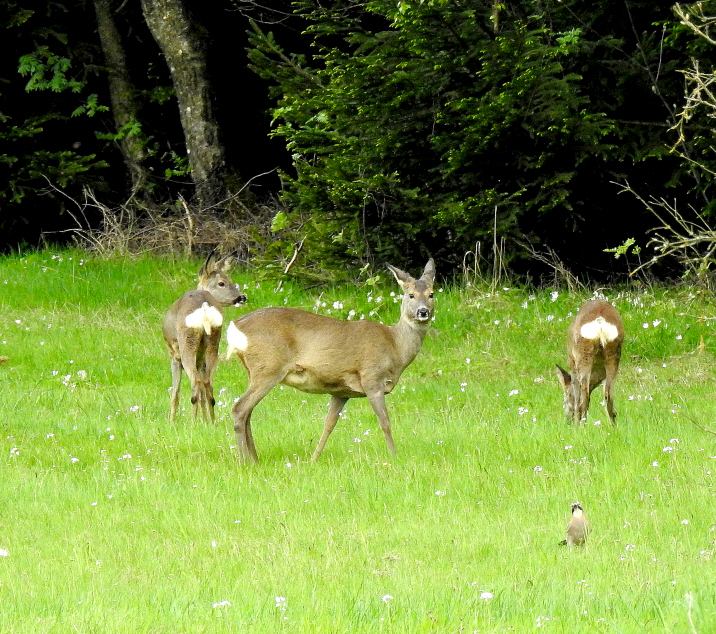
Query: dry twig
point(560, 272)
point(691, 242)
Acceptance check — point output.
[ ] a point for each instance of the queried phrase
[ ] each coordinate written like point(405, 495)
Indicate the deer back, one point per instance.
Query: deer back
point(596, 329)
point(320, 354)
point(194, 309)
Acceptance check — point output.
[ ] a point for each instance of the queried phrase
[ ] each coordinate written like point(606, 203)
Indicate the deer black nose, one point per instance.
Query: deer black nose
point(423, 313)
point(240, 299)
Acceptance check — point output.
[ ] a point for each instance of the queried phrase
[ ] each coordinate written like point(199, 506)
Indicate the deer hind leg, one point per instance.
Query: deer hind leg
point(176, 384)
point(207, 411)
point(377, 402)
point(612, 365)
point(241, 413)
point(191, 356)
point(197, 389)
point(211, 357)
point(336, 406)
point(250, 445)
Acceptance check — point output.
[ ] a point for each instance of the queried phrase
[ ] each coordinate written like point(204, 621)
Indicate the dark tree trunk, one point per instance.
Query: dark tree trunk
point(125, 106)
point(185, 54)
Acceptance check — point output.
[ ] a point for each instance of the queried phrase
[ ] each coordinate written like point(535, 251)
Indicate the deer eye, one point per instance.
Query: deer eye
point(431, 295)
point(222, 284)
point(411, 295)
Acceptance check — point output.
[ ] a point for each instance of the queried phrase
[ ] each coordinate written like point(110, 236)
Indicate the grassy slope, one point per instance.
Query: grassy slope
point(114, 520)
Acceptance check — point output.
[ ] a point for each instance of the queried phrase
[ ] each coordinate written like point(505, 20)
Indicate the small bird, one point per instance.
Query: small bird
point(578, 527)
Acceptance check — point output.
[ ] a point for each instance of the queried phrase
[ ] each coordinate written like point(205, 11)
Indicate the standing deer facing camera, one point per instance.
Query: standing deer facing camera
point(322, 355)
point(192, 330)
point(594, 347)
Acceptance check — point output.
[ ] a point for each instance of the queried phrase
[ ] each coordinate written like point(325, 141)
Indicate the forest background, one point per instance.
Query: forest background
point(323, 139)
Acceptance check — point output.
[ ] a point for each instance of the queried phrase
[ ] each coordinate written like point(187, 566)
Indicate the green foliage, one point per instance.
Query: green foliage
point(179, 165)
point(440, 124)
point(624, 248)
point(33, 153)
point(92, 107)
point(37, 167)
point(159, 92)
point(280, 221)
point(48, 71)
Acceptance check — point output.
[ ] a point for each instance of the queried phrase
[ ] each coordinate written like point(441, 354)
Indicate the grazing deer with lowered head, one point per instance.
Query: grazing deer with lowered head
point(192, 330)
point(322, 355)
point(594, 347)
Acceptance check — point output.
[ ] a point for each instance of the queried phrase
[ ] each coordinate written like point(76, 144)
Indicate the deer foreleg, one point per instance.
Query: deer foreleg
point(377, 402)
point(580, 412)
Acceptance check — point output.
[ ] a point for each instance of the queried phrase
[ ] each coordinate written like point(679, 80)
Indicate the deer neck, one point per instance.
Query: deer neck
point(408, 338)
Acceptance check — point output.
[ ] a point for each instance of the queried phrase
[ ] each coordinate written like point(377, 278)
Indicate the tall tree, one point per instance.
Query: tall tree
point(184, 51)
point(123, 95)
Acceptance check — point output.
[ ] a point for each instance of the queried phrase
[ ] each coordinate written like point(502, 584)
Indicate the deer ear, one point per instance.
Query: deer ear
point(402, 277)
point(208, 265)
point(564, 377)
point(429, 273)
point(226, 263)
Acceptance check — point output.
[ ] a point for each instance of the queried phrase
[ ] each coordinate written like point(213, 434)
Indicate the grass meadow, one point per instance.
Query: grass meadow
point(113, 520)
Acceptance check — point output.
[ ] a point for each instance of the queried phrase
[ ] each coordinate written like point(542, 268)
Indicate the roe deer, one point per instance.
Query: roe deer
point(192, 330)
point(322, 355)
point(594, 347)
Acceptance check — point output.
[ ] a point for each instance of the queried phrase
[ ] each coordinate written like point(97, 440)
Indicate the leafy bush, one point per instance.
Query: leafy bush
point(432, 126)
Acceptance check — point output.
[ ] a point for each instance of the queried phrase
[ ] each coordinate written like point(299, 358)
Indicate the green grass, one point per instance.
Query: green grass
point(113, 520)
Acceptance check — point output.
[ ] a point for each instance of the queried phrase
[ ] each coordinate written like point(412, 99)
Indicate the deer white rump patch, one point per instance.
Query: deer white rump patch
point(236, 339)
point(600, 328)
point(206, 317)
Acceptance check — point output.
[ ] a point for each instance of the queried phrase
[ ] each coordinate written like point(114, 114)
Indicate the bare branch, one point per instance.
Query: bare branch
point(691, 242)
point(560, 271)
